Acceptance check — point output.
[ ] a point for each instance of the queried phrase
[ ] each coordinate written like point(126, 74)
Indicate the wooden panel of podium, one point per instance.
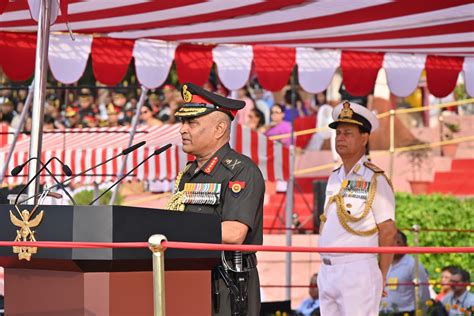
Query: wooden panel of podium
point(107, 282)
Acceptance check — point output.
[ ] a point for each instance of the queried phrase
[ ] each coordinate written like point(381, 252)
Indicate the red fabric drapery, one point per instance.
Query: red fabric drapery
point(17, 55)
point(193, 63)
point(359, 71)
point(110, 59)
point(442, 74)
point(273, 65)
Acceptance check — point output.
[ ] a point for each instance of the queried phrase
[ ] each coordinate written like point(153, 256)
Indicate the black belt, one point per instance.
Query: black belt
point(249, 260)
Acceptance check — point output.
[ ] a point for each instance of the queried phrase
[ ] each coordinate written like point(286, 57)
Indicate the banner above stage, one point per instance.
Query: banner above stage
point(273, 65)
point(269, 37)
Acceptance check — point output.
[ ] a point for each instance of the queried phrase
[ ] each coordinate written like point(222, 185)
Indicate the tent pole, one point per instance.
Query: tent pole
point(290, 190)
point(39, 92)
point(135, 119)
point(23, 115)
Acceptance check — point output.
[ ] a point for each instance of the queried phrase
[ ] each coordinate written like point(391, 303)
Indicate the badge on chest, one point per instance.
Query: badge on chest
point(202, 193)
point(355, 189)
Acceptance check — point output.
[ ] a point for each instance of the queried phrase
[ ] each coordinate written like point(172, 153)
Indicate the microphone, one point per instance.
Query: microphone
point(128, 150)
point(67, 171)
point(124, 152)
point(15, 171)
point(155, 153)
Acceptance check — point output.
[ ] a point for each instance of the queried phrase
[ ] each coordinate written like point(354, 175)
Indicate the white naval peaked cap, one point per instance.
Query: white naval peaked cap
point(353, 113)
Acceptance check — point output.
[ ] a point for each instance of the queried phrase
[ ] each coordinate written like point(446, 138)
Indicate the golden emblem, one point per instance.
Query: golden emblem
point(236, 188)
point(25, 233)
point(346, 111)
point(187, 96)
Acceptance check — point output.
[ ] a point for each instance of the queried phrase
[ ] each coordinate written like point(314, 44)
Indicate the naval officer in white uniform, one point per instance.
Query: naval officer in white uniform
point(359, 212)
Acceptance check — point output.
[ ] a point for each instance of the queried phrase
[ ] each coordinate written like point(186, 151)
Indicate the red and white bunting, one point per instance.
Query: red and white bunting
point(274, 29)
point(273, 65)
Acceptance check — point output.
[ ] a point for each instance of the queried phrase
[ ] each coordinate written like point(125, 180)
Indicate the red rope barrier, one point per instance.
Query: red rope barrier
point(444, 230)
point(387, 284)
point(228, 247)
point(394, 250)
point(67, 244)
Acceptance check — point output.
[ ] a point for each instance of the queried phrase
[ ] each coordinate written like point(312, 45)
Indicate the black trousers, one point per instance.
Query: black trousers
point(253, 296)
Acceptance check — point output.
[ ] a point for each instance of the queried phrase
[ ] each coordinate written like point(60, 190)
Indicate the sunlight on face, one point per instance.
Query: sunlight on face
point(349, 140)
point(198, 134)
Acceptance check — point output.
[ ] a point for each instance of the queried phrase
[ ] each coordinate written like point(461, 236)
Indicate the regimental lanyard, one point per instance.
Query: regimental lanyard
point(202, 193)
point(355, 189)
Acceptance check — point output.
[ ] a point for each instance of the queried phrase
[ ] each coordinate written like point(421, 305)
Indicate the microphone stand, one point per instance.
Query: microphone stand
point(66, 170)
point(124, 152)
point(156, 152)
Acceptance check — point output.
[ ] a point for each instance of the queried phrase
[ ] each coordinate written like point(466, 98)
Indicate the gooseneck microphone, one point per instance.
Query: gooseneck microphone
point(128, 150)
point(155, 153)
point(124, 152)
point(15, 171)
point(67, 171)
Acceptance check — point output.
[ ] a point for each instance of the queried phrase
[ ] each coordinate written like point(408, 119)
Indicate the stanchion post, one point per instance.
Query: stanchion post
point(154, 243)
point(392, 142)
point(416, 281)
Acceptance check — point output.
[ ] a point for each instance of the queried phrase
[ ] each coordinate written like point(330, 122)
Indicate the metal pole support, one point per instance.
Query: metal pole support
point(154, 243)
point(392, 142)
point(416, 281)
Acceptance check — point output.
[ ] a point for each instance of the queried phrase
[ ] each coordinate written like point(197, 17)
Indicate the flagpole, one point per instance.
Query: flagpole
point(290, 190)
point(39, 92)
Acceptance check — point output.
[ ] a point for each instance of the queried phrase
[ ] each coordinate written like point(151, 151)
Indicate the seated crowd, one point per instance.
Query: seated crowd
point(89, 108)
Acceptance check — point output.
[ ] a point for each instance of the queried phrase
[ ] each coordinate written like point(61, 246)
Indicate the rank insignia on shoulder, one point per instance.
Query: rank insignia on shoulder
point(232, 163)
point(373, 167)
point(236, 186)
point(211, 165)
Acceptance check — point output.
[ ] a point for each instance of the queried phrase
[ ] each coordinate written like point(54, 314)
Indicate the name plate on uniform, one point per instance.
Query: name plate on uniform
point(202, 193)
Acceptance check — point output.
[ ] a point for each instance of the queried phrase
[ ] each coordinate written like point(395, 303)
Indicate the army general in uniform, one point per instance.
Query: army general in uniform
point(359, 212)
point(223, 182)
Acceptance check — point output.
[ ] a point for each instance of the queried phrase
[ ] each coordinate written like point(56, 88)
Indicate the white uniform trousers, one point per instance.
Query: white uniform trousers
point(353, 288)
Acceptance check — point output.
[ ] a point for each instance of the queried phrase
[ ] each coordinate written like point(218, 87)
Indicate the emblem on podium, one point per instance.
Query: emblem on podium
point(25, 223)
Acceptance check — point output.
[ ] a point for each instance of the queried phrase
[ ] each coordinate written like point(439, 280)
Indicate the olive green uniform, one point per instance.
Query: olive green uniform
point(231, 186)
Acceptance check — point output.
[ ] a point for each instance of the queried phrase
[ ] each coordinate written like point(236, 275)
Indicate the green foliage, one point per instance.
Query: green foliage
point(451, 129)
point(460, 92)
point(86, 196)
point(438, 211)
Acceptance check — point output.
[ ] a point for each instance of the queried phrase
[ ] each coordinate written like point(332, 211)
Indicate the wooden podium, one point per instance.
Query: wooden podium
point(108, 282)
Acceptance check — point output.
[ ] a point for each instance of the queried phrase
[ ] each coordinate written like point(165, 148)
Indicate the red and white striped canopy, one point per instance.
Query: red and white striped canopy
point(273, 36)
point(83, 148)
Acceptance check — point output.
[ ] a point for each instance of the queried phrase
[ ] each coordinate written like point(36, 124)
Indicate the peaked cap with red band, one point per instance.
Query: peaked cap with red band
point(199, 102)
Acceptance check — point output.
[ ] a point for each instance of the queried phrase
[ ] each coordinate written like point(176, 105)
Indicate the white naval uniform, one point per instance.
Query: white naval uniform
point(351, 284)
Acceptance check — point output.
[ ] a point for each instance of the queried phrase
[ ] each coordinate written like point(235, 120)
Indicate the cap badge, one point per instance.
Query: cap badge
point(346, 111)
point(187, 96)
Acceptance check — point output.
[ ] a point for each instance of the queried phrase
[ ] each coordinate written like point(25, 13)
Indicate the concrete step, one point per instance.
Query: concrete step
point(462, 164)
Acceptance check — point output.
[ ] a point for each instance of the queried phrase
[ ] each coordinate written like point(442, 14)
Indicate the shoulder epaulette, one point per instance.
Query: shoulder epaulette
point(373, 167)
point(233, 163)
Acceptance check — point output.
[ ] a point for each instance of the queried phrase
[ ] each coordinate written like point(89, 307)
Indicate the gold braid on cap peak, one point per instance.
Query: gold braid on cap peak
point(187, 96)
point(346, 112)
